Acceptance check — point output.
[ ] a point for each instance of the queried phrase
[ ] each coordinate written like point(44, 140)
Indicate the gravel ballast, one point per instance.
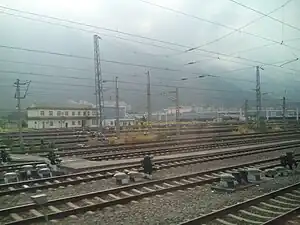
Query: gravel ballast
point(171, 209)
point(98, 185)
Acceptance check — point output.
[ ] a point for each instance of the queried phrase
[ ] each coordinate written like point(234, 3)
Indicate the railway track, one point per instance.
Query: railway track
point(62, 141)
point(203, 142)
point(274, 208)
point(108, 172)
point(178, 149)
point(18, 166)
point(63, 207)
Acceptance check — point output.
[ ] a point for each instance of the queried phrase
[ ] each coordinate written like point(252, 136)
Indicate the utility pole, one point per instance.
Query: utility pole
point(149, 101)
point(246, 111)
point(283, 109)
point(18, 96)
point(117, 109)
point(98, 83)
point(177, 113)
point(258, 97)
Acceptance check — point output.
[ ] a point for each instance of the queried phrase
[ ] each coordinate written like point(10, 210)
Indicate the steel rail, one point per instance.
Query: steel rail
point(273, 208)
point(87, 176)
point(121, 195)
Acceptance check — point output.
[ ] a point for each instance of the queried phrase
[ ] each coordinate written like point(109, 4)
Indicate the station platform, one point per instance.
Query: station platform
point(27, 158)
point(73, 164)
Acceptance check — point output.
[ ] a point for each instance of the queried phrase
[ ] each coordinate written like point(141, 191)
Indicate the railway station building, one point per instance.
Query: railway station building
point(71, 116)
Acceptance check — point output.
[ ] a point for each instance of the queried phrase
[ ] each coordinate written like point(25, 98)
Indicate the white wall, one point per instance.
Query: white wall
point(46, 124)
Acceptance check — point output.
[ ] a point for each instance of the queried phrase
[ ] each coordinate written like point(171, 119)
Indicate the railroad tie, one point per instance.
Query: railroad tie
point(159, 187)
point(72, 205)
point(292, 195)
point(11, 188)
point(168, 185)
point(54, 209)
point(36, 213)
point(283, 203)
point(279, 208)
point(16, 216)
point(187, 181)
point(194, 179)
point(243, 219)
point(148, 189)
point(288, 199)
point(137, 191)
point(100, 199)
point(224, 222)
point(57, 181)
point(255, 215)
point(48, 183)
point(114, 196)
point(126, 194)
point(266, 210)
point(88, 202)
point(178, 183)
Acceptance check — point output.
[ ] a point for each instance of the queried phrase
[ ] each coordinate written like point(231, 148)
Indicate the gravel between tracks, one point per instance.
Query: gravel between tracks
point(171, 209)
point(9, 201)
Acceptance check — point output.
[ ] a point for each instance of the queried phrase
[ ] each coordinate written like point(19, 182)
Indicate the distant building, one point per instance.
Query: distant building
point(72, 115)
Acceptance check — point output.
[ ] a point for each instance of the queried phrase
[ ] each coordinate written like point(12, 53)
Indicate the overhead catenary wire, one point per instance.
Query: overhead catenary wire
point(140, 36)
point(242, 27)
point(189, 49)
point(261, 13)
point(140, 65)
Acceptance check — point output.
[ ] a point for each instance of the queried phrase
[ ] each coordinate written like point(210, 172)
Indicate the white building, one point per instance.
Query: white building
point(71, 116)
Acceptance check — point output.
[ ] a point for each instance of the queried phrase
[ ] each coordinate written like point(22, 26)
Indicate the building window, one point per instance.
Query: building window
point(35, 122)
point(51, 123)
point(93, 112)
point(66, 113)
point(88, 113)
point(62, 113)
point(94, 122)
point(111, 123)
point(73, 113)
point(73, 122)
point(78, 113)
point(79, 122)
point(42, 113)
point(50, 113)
point(84, 113)
point(58, 113)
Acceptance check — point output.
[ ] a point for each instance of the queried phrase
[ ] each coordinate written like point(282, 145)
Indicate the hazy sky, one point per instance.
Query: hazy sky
point(203, 22)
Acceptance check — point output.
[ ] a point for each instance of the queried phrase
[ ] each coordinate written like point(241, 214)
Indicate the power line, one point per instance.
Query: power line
point(242, 27)
point(141, 65)
point(214, 23)
point(104, 60)
point(261, 13)
point(140, 36)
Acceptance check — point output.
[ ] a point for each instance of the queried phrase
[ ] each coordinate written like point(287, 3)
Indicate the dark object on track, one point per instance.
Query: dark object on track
point(147, 165)
point(288, 160)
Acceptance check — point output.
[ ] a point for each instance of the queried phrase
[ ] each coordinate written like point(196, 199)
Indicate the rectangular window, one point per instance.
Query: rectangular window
point(88, 113)
point(73, 122)
point(79, 122)
point(66, 113)
point(111, 123)
point(84, 113)
point(94, 122)
point(42, 113)
point(51, 123)
point(73, 113)
point(78, 113)
point(58, 113)
point(93, 112)
point(50, 113)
